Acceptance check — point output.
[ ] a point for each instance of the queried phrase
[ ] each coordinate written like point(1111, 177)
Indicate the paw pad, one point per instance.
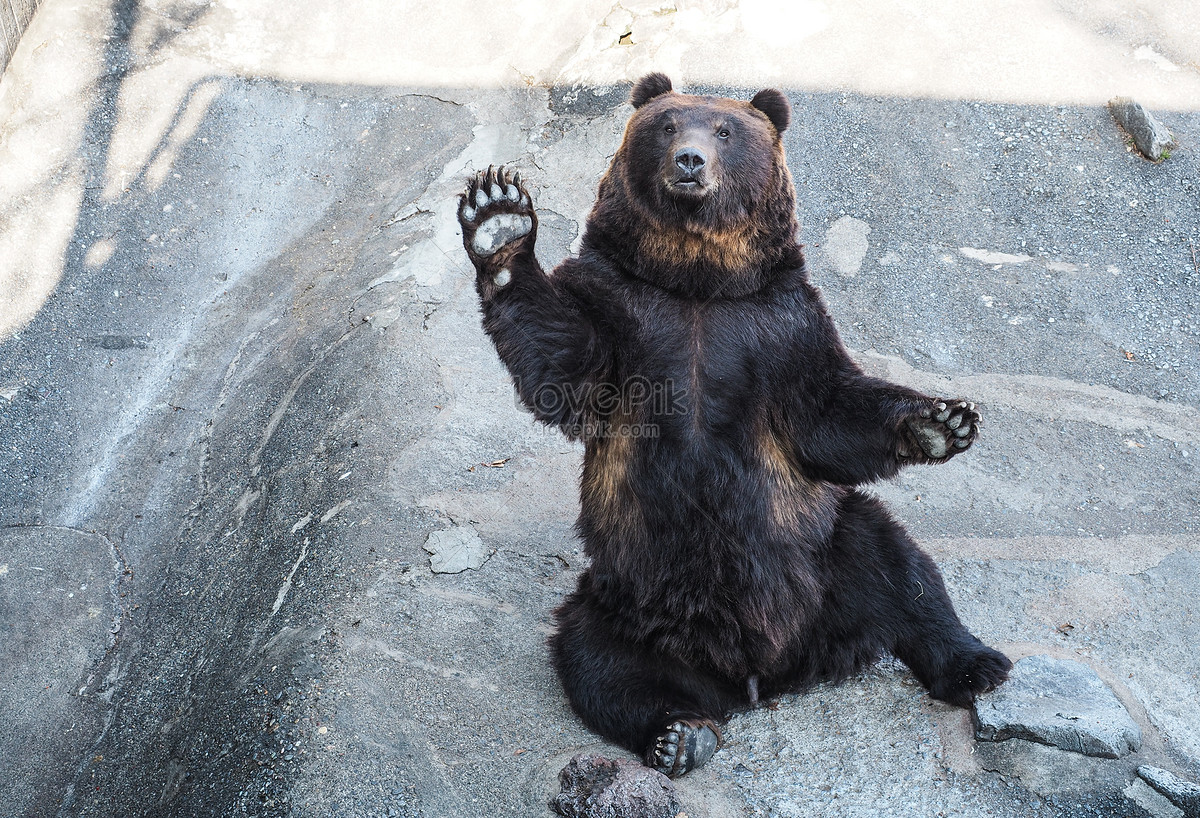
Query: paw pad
point(945, 428)
point(495, 211)
point(497, 231)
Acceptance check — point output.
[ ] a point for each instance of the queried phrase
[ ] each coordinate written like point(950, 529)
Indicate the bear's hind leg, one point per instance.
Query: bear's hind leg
point(683, 746)
point(912, 610)
point(660, 709)
point(947, 658)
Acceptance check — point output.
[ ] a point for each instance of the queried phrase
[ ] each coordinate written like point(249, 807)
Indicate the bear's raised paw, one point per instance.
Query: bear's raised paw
point(494, 212)
point(683, 747)
point(942, 430)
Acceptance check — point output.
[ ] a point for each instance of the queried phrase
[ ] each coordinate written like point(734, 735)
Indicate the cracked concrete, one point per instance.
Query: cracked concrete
point(240, 351)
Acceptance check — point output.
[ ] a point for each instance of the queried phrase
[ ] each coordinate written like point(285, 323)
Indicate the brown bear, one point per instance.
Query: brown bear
point(725, 429)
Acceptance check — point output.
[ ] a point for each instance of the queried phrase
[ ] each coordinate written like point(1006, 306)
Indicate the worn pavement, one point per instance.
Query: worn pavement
point(242, 379)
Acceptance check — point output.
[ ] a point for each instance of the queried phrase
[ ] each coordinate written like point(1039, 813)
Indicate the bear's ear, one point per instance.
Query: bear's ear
point(776, 106)
point(649, 87)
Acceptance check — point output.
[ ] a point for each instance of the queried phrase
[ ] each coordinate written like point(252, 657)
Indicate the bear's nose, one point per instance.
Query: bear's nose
point(690, 159)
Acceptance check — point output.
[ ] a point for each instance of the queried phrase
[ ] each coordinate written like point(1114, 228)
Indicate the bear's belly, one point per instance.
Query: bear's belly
point(732, 627)
point(674, 495)
point(712, 560)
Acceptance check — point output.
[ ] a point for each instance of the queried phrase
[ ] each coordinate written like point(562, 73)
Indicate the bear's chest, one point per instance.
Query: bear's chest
point(710, 362)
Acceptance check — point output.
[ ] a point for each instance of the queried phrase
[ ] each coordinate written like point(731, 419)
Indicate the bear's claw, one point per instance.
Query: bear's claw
point(494, 211)
point(683, 747)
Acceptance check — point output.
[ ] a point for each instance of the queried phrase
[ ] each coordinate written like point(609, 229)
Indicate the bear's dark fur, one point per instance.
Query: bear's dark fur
point(725, 429)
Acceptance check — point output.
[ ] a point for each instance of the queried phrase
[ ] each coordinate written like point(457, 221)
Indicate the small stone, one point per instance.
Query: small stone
point(599, 787)
point(453, 550)
point(1150, 136)
point(1183, 794)
point(1060, 703)
point(1151, 801)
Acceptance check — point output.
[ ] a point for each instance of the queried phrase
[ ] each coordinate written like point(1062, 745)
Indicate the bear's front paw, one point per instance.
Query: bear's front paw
point(494, 212)
point(941, 430)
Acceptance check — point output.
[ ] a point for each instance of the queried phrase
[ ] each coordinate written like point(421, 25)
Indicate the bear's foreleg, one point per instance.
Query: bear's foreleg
point(541, 333)
point(867, 429)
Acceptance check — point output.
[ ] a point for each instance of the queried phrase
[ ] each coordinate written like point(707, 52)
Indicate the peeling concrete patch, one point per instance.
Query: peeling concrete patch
point(287, 583)
point(333, 512)
point(1061, 267)
point(1061, 703)
point(453, 550)
point(1147, 53)
point(993, 257)
point(846, 244)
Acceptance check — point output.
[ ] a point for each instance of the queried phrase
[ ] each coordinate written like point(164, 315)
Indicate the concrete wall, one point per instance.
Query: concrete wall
point(14, 17)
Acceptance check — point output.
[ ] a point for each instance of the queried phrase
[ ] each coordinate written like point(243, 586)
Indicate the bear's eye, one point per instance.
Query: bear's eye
point(723, 133)
point(669, 129)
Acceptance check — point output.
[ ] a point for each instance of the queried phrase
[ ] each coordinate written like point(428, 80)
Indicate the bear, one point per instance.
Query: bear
point(726, 431)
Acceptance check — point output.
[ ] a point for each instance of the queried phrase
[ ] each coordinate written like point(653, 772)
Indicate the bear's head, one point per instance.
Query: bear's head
point(699, 190)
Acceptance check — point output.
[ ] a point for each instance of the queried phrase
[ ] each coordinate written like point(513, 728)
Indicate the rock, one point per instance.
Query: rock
point(455, 549)
point(1183, 794)
point(597, 787)
point(1150, 800)
point(1150, 136)
point(1061, 703)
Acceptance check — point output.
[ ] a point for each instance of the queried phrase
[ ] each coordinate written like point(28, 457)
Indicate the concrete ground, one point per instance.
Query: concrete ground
point(242, 379)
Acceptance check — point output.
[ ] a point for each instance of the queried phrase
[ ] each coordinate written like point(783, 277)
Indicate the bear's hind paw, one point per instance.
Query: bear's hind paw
point(980, 672)
point(683, 747)
point(494, 211)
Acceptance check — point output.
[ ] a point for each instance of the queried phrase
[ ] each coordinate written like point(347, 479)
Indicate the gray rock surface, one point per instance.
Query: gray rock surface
point(242, 378)
point(1183, 794)
point(1149, 799)
point(1058, 702)
point(599, 787)
point(1151, 136)
point(455, 549)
